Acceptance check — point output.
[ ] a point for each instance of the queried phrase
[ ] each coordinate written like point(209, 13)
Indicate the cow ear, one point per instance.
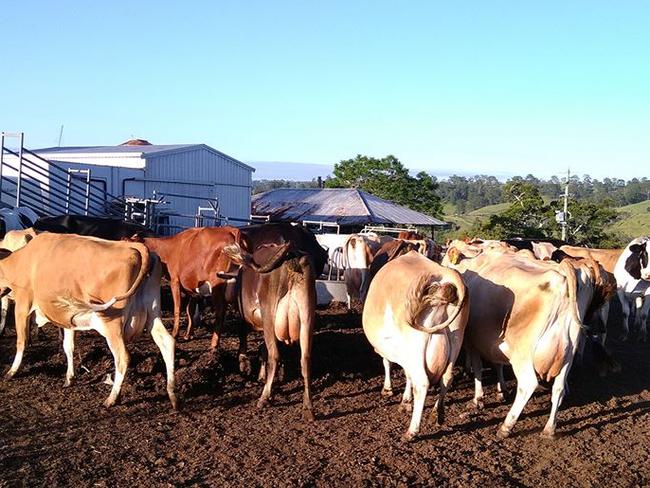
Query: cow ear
point(636, 248)
point(4, 253)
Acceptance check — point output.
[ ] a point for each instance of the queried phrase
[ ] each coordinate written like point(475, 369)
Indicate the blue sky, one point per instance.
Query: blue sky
point(474, 87)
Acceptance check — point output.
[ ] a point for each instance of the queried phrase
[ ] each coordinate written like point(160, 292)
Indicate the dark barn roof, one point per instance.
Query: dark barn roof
point(338, 205)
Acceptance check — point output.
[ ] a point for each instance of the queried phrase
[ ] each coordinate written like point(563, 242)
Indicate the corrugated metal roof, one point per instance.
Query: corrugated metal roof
point(340, 205)
point(115, 149)
point(138, 151)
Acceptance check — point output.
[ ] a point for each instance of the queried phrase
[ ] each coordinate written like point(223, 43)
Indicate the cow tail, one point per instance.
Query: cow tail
point(569, 272)
point(144, 270)
point(427, 292)
point(239, 256)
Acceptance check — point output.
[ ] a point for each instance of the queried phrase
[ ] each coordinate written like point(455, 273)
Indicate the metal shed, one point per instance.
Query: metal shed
point(348, 209)
point(190, 179)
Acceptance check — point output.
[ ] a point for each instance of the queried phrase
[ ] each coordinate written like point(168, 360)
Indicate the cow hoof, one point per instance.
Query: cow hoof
point(68, 382)
point(409, 436)
point(108, 403)
point(10, 374)
point(615, 367)
point(174, 402)
point(477, 404)
point(405, 407)
point(244, 365)
point(503, 433)
point(547, 434)
point(386, 392)
point(263, 403)
point(308, 415)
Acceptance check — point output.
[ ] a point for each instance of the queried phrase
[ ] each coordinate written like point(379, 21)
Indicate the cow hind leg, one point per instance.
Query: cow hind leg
point(420, 382)
point(406, 405)
point(22, 330)
point(113, 334)
point(445, 383)
point(477, 370)
point(387, 389)
point(166, 344)
point(176, 297)
point(273, 355)
point(557, 395)
point(625, 312)
point(526, 384)
point(502, 389)
point(242, 353)
point(219, 303)
point(4, 309)
point(191, 312)
point(307, 319)
point(68, 348)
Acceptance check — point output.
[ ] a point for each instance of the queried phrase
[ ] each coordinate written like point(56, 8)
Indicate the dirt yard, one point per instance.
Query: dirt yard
point(51, 436)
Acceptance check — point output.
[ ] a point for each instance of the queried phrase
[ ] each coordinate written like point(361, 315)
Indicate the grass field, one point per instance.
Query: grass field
point(635, 220)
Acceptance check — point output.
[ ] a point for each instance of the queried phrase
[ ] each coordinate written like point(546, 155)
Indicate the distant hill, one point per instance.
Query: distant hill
point(635, 220)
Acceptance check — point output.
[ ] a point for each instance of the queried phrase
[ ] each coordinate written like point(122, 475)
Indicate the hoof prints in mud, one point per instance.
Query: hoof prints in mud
point(63, 436)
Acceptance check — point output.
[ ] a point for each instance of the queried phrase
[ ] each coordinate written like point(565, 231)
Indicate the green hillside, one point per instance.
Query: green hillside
point(635, 219)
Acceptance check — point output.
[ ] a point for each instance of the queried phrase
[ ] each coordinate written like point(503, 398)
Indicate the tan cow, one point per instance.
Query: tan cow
point(526, 313)
point(415, 316)
point(83, 283)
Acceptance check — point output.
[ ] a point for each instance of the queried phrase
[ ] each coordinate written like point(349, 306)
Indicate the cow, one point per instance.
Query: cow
point(85, 225)
point(387, 252)
point(525, 313)
point(358, 254)
point(277, 294)
point(84, 283)
point(12, 241)
point(334, 244)
point(192, 259)
point(632, 273)
point(415, 315)
point(607, 259)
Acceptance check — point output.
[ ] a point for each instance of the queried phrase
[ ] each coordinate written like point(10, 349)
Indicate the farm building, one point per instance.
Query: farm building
point(188, 179)
point(348, 210)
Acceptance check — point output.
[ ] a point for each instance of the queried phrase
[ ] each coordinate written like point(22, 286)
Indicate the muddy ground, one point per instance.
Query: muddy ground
point(55, 436)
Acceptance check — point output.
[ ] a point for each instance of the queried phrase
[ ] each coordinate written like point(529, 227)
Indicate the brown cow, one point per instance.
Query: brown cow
point(193, 258)
point(82, 283)
point(277, 293)
point(387, 252)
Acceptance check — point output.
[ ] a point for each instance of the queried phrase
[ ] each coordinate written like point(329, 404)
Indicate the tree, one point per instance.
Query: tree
point(527, 216)
point(388, 178)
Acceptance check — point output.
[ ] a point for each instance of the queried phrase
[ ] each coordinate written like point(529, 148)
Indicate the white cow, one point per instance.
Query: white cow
point(632, 273)
point(334, 244)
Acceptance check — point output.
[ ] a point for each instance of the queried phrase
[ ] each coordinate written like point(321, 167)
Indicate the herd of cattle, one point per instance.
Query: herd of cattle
point(530, 305)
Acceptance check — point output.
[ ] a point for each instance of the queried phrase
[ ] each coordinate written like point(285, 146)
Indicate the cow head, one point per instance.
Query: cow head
point(637, 262)
point(4, 284)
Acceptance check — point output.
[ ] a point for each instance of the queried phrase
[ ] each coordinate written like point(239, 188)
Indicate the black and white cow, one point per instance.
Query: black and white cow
point(632, 274)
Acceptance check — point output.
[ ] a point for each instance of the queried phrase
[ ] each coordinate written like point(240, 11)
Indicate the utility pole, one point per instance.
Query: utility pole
point(565, 215)
point(60, 135)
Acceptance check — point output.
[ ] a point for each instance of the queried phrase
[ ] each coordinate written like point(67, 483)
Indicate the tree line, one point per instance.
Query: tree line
point(534, 202)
